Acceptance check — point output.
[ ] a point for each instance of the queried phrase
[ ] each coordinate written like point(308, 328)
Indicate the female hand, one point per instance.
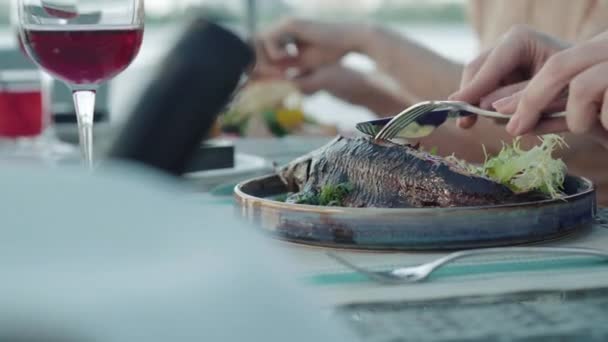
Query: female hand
point(580, 73)
point(504, 69)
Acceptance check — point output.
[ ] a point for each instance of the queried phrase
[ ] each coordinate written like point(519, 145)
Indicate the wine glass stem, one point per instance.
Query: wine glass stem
point(84, 102)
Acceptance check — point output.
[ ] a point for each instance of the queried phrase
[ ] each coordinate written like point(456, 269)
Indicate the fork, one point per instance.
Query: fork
point(430, 115)
point(415, 274)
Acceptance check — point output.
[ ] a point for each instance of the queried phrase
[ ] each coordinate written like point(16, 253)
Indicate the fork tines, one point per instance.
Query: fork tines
point(404, 119)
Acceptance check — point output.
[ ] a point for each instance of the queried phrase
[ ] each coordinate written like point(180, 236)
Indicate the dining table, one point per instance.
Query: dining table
point(498, 297)
point(501, 297)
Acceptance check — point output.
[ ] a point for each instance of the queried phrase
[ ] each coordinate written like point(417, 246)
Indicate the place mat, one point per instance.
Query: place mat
point(482, 275)
point(483, 290)
point(528, 316)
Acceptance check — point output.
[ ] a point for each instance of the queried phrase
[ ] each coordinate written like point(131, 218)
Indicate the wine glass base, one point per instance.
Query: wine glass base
point(43, 148)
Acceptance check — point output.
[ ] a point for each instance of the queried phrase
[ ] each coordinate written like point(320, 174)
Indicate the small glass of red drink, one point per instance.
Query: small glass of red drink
point(22, 112)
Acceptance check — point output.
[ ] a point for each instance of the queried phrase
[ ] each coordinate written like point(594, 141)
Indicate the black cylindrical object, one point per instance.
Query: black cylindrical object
point(178, 109)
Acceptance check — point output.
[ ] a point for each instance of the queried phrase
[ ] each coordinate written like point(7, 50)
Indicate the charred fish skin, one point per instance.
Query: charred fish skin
point(388, 175)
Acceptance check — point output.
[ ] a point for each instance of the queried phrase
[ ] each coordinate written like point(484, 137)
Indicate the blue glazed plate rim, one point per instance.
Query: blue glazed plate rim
point(588, 189)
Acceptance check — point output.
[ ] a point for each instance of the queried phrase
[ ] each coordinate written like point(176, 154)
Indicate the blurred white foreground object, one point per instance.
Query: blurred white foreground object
point(136, 261)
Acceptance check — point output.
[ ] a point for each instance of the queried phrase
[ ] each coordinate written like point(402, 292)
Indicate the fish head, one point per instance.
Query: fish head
point(295, 174)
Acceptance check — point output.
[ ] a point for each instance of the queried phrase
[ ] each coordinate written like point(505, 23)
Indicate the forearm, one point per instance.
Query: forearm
point(373, 93)
point(384, 104)
point(472, 144)
point(418, 70)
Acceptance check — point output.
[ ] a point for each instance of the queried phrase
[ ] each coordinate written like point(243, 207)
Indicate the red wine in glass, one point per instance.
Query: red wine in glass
point(83, 57)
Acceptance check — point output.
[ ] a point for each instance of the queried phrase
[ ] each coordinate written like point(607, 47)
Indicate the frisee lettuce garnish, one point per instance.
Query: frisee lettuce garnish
point(525, 171)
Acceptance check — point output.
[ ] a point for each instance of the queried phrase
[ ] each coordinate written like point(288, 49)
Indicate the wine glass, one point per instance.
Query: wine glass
point(82, 43)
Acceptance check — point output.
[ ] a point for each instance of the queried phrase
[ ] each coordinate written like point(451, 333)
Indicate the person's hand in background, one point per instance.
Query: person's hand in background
point(309, 51)
point(505, 69)
point(316, 65)
point(318, 44)
point(264, 67)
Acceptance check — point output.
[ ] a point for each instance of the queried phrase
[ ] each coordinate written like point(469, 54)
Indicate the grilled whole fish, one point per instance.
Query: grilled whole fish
point(388, 175)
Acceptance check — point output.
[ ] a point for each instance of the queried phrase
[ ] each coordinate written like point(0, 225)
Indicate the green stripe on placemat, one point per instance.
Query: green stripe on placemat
point(220, 195)
point(222, 201)
point(224, 190)
point(342, 278)
point(213, 200)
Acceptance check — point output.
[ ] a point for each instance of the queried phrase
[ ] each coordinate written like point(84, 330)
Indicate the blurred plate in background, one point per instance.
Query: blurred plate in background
point(246, 166)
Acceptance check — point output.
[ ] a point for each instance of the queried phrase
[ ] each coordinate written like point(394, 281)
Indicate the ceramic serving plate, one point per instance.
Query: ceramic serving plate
point(414, 228)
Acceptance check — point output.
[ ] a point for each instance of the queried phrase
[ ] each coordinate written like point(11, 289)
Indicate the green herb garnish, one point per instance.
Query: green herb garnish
point(309, 198)
point(334, 195)
point(329, 195)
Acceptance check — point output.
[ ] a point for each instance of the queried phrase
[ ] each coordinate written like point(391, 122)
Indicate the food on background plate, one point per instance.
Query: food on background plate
point(270, 108)
point(362, 172)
